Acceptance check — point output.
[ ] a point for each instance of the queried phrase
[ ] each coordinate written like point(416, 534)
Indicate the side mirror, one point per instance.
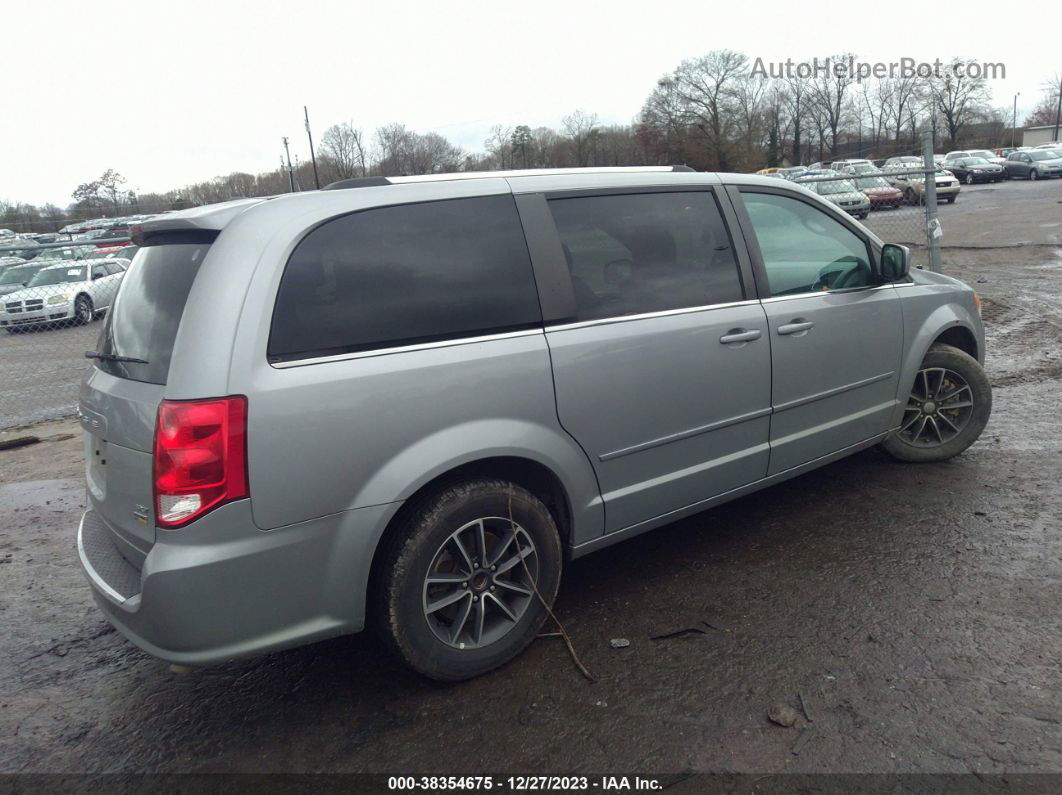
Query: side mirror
point(895, 262)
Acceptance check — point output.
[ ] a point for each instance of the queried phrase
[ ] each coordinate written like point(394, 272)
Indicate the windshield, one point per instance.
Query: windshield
point(58, 276)
point(1043, 154)
point(872, 182)
point(981, 153)
point(831, 188)
point(61, 253)
point(147, 311)
point(19, 274)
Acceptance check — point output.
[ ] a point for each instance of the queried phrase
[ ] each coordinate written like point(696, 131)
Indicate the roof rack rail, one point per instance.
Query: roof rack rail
point(357, 182)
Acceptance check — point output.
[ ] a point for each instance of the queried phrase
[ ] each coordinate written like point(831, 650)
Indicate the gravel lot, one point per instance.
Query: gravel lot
point(910, 614)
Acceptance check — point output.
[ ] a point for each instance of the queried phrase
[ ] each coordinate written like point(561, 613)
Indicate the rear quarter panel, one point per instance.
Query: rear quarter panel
point(370, 430)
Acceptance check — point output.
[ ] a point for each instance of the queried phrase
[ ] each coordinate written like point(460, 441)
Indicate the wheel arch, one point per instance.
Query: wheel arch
point(959, 337)
point(950, 324)
point(528, 473)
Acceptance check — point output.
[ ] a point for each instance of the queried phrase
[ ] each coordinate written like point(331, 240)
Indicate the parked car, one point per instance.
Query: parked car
point(904, 160)
point(17, 276)
point(848, 163)
point(1033, 164)
point(842, 192)
point(415, 402)
point(879, 191)
point(112, 233)
point(1050, 145)
point(859, 169)
point(792, 171)
point(68, 253)
point(125, 252)
point(766, 172)
point(27, 247)
point(976, 169)
point(913, 184)
point(64, 292)
point(7, 262)
point(988, 155)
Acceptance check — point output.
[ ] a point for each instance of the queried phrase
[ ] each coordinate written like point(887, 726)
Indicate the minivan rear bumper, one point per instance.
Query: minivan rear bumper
point(221, 588)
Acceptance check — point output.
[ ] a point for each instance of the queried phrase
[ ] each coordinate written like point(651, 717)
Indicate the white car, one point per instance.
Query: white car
point(70, 291)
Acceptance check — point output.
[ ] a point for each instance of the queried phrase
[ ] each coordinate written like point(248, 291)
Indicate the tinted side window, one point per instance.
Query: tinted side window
point(649, 252)
point(804, 249)
point(403, 275)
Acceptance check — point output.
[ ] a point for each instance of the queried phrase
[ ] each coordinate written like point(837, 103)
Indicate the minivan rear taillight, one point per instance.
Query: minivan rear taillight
point(200, 457)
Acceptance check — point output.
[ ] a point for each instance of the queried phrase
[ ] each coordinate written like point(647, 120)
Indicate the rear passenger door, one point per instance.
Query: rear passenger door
point(663, 376)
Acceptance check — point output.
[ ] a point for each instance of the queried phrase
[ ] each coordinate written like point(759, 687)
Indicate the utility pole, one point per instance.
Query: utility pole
point(1058, 112)
point(313, 158)
point(1014, 120)
point(291, 174)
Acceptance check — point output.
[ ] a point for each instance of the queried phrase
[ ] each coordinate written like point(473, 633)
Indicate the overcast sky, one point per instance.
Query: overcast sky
point(176, 92)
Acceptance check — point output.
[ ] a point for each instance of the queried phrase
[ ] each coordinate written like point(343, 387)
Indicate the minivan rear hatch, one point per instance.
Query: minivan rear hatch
point(120, 396)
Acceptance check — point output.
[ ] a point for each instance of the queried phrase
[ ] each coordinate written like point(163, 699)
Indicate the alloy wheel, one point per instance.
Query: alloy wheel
point(480, 583)
point(939, 407)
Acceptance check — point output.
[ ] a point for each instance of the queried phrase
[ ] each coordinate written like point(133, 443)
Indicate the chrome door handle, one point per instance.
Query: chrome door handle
point(795, 327)
point(740, 335)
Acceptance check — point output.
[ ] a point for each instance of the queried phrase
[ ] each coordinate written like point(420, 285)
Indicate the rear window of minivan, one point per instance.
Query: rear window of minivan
point(403, 275)
point(143, 322)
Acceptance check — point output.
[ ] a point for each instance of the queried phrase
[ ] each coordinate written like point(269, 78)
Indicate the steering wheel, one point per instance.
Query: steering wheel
point(841, 274)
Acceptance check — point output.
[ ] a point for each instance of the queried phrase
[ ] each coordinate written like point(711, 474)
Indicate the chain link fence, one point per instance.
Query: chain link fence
point(53, 294)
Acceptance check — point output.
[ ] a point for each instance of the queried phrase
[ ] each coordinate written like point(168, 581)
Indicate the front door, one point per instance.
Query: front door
point(836, 332)
point(664, 379)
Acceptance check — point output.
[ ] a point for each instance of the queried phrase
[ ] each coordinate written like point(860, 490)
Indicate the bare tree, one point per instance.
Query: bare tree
point(829, 91)
point(958, 98)
point(342, 145)
point(499, 147)
point(702, 90)
point(581, 129)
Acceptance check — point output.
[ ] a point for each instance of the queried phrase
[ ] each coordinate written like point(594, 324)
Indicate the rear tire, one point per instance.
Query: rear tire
point(458, 548)
point(951, 199)
point(949, 406)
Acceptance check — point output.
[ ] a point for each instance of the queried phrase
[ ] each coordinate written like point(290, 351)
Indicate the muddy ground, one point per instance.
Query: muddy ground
point(912, 615)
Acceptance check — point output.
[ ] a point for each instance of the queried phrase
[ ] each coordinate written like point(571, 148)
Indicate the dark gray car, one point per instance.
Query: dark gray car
point(411, 400)
point(1033, 164)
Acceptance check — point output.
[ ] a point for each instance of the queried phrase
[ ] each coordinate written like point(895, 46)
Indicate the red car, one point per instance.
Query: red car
point(113, 232)
point(880, 192)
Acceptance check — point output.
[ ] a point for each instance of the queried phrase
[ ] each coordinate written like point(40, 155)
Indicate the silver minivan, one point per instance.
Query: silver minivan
point(407, 402)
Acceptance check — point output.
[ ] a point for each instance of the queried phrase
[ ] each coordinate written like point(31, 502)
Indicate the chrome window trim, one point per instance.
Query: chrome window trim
point(423, 346)
point(688, 310)
point(820, 293)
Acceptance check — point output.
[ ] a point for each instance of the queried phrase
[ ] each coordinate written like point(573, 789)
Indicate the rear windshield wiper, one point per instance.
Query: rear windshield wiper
point(112, 357)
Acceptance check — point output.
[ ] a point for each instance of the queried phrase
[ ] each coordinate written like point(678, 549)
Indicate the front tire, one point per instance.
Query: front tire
point(463, 579)
point(948, 407)
point(1034, 175)
point(969, 179)
point(83, 312)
